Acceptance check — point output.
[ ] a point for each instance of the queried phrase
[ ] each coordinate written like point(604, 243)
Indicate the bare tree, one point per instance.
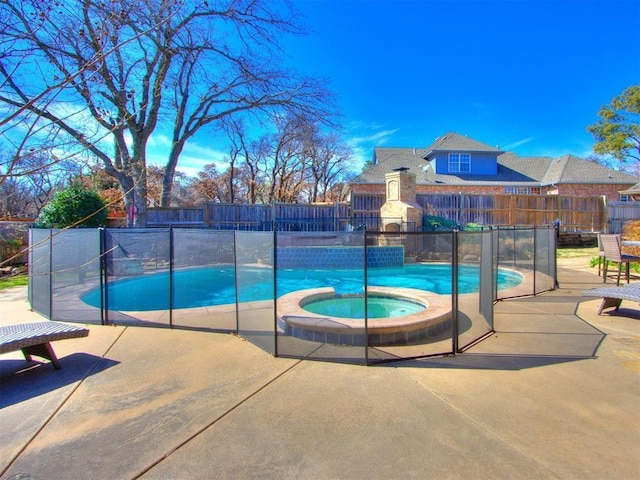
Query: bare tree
point(107, 74)
point(30, 181)
point(297, 162)
point(282, 158)
point(331, 163)
point(208, 184)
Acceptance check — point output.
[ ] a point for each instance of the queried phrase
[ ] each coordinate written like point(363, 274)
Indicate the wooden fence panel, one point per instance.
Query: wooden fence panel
point(367, 202)
point(447, 206)
point(164, 216)
point(237, 215)
point(576, 214)
point(312, 217)
point(618, 213)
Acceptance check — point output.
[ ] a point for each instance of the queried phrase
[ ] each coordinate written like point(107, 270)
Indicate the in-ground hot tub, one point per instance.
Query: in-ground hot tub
point(398, 316)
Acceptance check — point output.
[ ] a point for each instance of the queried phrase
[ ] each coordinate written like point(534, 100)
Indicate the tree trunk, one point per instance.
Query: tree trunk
point(169, 174)
point(140, 201)
point(129, 197)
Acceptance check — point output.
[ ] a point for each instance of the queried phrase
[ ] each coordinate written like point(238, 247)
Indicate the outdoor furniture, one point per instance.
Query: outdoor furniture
point(612, 250)
point(35, 338)
point(613, 296)
point(600, 254)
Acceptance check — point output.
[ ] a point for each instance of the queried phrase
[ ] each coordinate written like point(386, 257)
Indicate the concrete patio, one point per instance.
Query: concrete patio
point(555, 393)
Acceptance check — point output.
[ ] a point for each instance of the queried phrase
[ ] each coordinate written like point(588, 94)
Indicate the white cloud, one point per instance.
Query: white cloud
point(379, 138)
point(365, 138)
point(518, 143)
point(158, 140)
point(192, 159)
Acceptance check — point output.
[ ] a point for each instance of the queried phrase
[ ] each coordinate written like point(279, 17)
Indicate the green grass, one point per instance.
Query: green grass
point(13, 281)
point(573, 252)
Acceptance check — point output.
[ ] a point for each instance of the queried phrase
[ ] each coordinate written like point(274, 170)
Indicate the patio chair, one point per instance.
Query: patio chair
point(613, 296)
point(612, 250)
point(600, 255)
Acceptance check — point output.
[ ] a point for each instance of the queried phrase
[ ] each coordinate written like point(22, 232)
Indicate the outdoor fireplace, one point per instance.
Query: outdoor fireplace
point(401, 212)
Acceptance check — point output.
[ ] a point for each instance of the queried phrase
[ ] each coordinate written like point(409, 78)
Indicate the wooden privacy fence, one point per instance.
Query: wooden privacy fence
point(576, 214)
point(618, 213)
point(175, 216)
point(242, 216)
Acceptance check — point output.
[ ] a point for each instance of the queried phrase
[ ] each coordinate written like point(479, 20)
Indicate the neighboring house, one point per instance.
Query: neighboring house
point(457, 164)
point(632, 193)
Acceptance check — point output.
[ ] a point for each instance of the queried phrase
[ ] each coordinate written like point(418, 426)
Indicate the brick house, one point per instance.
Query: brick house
point(633, 193)
point(456, 164)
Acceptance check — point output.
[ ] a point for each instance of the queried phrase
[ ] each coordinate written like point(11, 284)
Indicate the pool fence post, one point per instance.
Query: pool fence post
point(556, 237)
point(51, 274)
point(366, 299)
point(535, 267)
point(515, 264)
point(106, 279)
point(170, 276)
point(495, 244)
point(235, 278)
point(102, 275)
point(454, 291)
point(274, 243)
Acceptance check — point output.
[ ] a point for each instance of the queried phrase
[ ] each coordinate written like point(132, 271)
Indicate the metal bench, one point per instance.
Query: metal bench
point(35, 339)
point(613, 296)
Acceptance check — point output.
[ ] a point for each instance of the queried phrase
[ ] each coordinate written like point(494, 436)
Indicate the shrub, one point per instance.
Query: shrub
point(434, 223)
point(76, 206)
point(12, 243)
point(473, 227)
point(631, 231)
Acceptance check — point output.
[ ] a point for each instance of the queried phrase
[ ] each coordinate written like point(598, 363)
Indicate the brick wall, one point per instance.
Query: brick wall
point(610, 191)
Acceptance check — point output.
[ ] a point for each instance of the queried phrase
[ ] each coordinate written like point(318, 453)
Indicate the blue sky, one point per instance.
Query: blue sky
point(526, 75)
point(529, 76)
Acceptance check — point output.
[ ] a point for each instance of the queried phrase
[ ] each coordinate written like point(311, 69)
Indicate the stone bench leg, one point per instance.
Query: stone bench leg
point(608, 302)
point(44, 350)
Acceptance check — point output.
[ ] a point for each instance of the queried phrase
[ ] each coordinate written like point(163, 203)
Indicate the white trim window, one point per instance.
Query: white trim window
point(459, 163)
point(522, 190)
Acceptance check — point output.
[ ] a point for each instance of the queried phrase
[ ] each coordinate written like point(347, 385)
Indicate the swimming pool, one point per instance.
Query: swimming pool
point(201, 287)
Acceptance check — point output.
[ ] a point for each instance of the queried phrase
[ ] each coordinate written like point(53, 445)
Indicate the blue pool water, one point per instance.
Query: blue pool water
point(216, 286)
point(378, 306)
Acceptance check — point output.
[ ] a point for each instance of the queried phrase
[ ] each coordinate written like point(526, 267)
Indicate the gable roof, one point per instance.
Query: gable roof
point(635, 190)
point(572, 169)
point(512, 169)
point(454, 142)
point(387, 159)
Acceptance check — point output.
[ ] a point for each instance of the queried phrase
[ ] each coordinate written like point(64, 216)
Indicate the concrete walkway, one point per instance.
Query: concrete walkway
point(555, 393)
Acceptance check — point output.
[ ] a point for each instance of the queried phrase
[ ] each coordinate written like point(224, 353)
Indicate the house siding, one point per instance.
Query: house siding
point(480, 164)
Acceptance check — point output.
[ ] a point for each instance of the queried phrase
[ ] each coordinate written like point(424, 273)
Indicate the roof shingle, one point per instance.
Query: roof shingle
point(512, 169)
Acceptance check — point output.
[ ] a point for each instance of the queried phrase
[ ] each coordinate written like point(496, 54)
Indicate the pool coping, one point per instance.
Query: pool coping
point(290, 311)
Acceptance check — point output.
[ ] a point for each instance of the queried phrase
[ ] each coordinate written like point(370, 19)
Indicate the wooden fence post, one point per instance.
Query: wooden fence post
point(512, 207)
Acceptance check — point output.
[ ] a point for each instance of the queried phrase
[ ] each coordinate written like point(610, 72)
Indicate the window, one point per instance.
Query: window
point(523, 190)
point(625, 198)
point(459, 162)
